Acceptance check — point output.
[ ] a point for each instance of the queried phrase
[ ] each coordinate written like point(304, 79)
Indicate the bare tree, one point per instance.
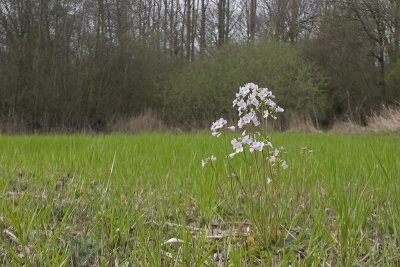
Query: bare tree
point(203, 27)
point(221, 22)
point(252, 19)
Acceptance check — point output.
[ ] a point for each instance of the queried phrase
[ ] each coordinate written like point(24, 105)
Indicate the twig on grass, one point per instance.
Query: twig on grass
point(111, 172)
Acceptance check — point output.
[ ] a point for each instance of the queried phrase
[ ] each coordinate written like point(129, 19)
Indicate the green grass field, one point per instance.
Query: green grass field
point(115, 200)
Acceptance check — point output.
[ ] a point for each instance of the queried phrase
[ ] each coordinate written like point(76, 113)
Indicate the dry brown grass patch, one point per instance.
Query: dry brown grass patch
point(348, 126)
point(302, 124)
point(387, 121)
point(147, 121)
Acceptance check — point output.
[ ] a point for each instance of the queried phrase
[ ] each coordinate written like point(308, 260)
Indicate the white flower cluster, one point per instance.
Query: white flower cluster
point(251, 101)
point(218, 125)
point(253, 104)
point(251, 142)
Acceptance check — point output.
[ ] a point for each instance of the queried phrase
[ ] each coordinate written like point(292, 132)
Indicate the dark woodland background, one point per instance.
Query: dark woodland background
point(80, 64)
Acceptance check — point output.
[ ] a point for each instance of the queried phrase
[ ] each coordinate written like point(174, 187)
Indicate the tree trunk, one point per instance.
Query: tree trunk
point(203, 28)
point(188, 5)
point(194, 29)
point(227, 21)
point(221, 22)
point(252, 24)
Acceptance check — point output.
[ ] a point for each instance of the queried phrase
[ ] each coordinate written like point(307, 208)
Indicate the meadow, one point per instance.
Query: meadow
point(145, 200)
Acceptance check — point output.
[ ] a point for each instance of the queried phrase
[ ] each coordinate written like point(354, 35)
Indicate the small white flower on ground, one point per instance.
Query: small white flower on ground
point(269, 180)
point(248, 117)
point(243, 91)
point(252, 86)
point(234, 102)
point(217, 134)
point(272, 159)
point(284, 165)
point(256, 146)
point(218, 124)
point(240, 123)
point(237, 146)
point(255, 121)
point(232, 128)
point(255, 102)
point(247, 139)
point(270, 103)
point(279, 109)
point(242, 104)
point(232, 155)
point(264, 93)
point(205, 161)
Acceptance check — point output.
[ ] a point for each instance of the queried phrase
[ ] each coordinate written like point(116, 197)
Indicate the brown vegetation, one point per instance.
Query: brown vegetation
point(385, 121)
point(148, 121)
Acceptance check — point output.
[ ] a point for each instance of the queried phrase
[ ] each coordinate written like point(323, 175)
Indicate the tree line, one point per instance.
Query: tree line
point(82, 63)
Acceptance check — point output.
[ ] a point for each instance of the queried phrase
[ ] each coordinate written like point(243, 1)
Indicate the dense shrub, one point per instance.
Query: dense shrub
point(204, 90)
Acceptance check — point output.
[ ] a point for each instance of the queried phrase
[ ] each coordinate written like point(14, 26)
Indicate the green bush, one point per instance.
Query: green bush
point(204, 90)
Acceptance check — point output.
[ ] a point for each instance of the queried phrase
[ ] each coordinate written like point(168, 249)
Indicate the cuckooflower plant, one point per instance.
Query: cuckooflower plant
point(261, 160)
point(255, 105)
